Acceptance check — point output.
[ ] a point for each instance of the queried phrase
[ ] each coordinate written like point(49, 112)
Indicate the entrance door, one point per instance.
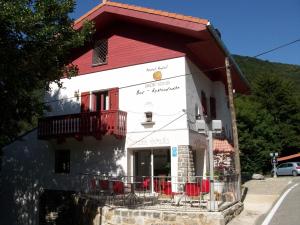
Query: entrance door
point(161, 162)
point(152, 163)
point(143, 163)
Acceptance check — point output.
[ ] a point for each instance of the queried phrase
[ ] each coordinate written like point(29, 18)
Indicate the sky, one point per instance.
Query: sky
point(248, 27)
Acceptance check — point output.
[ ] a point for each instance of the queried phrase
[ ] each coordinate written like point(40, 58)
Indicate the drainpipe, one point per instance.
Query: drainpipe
point(229, 60)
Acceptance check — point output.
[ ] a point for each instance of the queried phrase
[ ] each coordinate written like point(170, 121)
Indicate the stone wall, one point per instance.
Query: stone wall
point(158, 217)
point(88, 213)
point(231, 212)
point(186, 165)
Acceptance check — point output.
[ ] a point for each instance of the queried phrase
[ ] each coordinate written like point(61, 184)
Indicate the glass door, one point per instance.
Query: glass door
point(143, 163)
point(152, 163)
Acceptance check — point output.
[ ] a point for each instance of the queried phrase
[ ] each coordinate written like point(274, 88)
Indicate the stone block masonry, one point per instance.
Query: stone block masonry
point(166, 217)
point(186, 166)
point(87, 212)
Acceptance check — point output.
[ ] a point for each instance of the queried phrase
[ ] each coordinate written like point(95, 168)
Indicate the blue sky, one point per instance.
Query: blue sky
point(247, 27)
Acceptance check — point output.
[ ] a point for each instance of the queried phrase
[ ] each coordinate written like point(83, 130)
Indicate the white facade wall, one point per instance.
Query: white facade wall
point(28, 169)
point(138, 93)
point(196, 82)
point(29, 163)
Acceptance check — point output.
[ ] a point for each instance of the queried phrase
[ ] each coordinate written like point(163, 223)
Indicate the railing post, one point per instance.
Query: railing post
point(211, 172)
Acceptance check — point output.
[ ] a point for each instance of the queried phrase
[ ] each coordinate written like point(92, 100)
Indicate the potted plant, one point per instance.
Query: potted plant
point(219, 179)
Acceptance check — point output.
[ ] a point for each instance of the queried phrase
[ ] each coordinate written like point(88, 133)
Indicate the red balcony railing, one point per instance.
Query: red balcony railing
point(83, 124)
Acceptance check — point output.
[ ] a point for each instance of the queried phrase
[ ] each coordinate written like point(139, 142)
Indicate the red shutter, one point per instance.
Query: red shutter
point(113, 98)
point(212, 103)
point(93, 102)
point(85, 101)
point(203, 102)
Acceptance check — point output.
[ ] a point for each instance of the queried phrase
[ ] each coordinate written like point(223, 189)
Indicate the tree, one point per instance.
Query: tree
point(257, 134)
point(278, 95)
point(268, 121)
point(36, 42)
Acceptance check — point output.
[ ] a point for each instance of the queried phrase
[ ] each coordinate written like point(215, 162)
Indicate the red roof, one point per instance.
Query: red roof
point(145, 10)
point(289, 157)
point(205, 48)
point(222, 146)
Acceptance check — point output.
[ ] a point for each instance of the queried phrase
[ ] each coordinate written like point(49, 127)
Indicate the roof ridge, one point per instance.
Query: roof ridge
point(145, 10)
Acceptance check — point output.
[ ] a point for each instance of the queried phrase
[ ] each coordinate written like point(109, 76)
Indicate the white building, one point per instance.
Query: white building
point(131, 110)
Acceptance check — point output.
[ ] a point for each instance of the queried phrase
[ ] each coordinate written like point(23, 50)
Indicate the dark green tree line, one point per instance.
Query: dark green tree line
point(268, 119)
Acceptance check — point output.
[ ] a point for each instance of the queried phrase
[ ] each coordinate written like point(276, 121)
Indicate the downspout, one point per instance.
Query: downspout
point(229, 60)
point(213, 32)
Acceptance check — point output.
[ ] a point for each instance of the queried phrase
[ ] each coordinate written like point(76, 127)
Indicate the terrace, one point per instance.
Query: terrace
point(161, 192)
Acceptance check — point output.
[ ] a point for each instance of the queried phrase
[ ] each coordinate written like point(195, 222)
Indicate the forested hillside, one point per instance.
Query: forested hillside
point(253, 67)
point(269, 118)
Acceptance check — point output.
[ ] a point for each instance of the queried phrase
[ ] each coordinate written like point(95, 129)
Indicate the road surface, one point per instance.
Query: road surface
point(287, 210)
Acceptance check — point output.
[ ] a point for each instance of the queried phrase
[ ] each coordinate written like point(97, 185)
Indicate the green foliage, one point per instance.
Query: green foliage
point(268, 119)
point(253, 67)
point(36, 39)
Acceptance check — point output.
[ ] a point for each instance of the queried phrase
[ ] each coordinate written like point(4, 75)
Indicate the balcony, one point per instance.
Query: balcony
point(97, 124)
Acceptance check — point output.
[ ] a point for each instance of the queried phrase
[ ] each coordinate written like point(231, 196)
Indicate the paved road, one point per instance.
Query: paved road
point(261, 196)
point(288, 212)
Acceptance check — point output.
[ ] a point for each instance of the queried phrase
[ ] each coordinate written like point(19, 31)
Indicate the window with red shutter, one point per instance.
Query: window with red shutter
point(113, 98)
point(100, 101)
point(203, 102)
point(85, 102)
point(212, 104)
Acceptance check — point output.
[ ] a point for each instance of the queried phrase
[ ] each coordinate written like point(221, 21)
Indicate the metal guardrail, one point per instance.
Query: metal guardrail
point(161, 191)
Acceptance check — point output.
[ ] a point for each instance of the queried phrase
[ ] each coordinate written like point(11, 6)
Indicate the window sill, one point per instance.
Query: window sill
point(148, 124)
point(99, 64)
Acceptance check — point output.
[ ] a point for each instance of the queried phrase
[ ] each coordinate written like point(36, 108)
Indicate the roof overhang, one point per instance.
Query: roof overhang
point(208, 51)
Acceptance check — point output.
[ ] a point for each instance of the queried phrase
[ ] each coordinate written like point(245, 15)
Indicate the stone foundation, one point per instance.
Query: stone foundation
point(122, 216)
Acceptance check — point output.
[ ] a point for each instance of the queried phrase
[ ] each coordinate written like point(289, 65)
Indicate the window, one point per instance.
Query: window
point(62, 161)
point(203, 102)
point(100, 52)
point(100, 100)
point(212, 104)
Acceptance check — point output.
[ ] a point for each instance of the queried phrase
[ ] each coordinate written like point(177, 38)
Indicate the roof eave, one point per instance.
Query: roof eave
point(221, 44)
point(194, 23)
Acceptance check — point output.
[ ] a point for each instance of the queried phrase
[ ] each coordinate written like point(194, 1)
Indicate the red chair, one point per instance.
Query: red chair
point(156, 185)
point(118, 187)
point(192, 189)
point(205, 186)
point(104, 184)
point(93, 187)
point(167, 188)
point(146, 184)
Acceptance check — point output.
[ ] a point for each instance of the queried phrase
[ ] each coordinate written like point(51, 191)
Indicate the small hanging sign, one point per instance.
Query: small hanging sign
point(174, 151)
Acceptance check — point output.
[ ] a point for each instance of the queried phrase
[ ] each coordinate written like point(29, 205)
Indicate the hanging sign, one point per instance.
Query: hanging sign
point(174, 151)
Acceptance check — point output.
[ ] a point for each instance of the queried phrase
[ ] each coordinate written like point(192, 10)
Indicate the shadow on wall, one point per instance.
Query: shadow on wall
point(29, 168)
point(60, 104)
